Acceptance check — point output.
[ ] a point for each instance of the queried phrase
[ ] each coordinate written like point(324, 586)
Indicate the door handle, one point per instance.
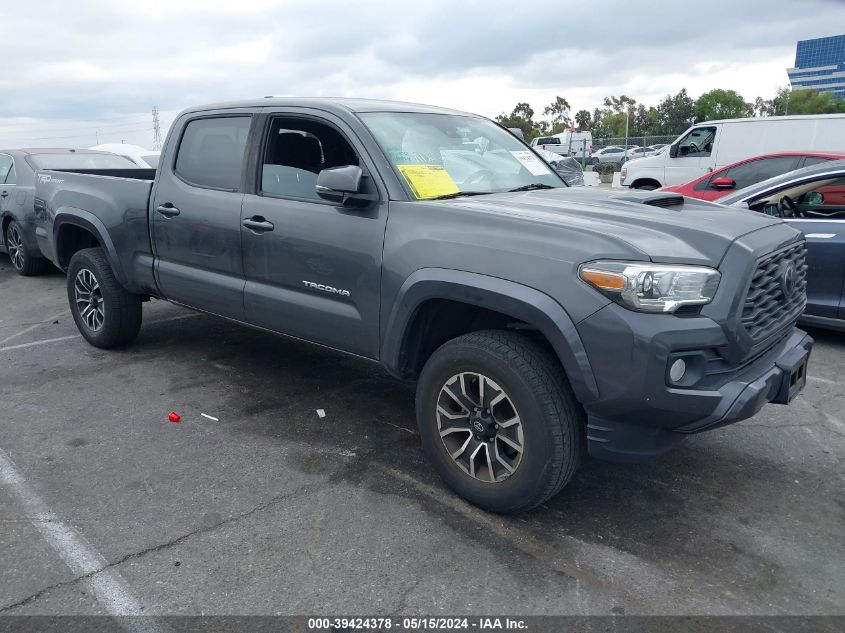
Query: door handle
point(258, 224)
point(167, 210)
point(5, 194)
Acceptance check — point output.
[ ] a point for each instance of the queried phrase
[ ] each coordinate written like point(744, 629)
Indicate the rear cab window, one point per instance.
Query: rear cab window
point(211, 151)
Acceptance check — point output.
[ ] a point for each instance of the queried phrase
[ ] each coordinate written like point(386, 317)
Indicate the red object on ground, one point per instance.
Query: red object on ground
point(174, 417)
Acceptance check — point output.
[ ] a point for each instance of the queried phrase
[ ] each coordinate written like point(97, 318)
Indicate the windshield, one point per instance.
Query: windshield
point(445, 155)
point(81, 161)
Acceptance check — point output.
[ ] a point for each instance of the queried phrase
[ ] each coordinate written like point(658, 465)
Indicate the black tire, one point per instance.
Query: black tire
point(552, 419)
point(645, 187)
point(23, 261)
point(593, 161)
point(122, 310)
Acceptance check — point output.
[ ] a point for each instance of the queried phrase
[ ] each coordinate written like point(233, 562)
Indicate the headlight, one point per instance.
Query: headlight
point(647, 287)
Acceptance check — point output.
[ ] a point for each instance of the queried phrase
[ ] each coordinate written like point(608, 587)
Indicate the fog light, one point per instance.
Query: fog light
point(677, 370)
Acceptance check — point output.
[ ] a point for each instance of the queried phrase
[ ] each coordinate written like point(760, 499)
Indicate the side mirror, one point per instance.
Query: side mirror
point(723, 182)
point(339, 184)
point(673, 151)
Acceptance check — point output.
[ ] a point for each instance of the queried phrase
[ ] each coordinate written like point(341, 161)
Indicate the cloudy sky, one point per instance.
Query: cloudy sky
point(78, 71)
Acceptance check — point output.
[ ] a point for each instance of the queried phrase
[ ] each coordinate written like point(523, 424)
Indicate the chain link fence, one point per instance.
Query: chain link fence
point(639, 141)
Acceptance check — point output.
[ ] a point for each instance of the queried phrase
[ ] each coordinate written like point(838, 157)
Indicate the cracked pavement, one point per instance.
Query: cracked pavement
point(272, 509)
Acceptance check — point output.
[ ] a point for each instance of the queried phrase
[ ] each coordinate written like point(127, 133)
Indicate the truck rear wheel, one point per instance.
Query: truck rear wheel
point(499, 421)
point(105, 313)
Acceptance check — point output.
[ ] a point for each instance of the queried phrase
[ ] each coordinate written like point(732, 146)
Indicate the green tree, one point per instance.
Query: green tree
point(675, 113)
point(806, 102)
point(522, 116)
point(763, 107)
point(583, 120)
point(721, 104)
point(618, 104)
point(558, 110)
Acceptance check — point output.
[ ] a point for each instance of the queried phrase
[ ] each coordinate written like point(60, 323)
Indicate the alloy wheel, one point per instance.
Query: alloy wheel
point(89, 300)
point(480, 427)
point(14, 245)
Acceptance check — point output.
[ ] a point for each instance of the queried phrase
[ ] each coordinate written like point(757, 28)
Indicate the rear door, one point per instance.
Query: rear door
point(196, 213)
point(313, 267)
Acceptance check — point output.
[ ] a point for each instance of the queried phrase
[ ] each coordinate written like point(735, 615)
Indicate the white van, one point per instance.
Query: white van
point(567, 143)
point(713, 144)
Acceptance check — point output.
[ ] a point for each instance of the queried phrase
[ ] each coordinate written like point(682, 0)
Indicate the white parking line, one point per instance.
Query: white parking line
point(34, 343)
point(826, 381)
point(34, 326)
point(73, 336)
point(107, 585)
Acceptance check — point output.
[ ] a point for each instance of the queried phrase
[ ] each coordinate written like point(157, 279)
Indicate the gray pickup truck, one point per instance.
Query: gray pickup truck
point(540, 322)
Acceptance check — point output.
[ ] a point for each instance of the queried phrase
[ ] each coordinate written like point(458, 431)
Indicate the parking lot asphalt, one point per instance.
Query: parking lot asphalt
point(272, 509)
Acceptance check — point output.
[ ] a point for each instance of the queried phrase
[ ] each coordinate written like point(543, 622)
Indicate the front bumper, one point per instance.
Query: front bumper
point(641, 413)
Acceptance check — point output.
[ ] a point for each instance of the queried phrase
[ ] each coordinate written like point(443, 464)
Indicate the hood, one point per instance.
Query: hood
point(663, 227)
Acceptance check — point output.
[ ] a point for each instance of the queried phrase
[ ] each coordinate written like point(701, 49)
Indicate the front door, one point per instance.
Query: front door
point(822, 220)
point(694, 155)
point(312, 267)
point(196, 216)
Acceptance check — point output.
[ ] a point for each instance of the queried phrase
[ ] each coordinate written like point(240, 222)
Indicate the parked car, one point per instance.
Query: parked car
point(748, 172)
point(812, 200)
point(610, 154)
point(711, 145)
point(534, 317)
point(640, 152)
point(658, 146)
point(142, 157)
point(17, 192)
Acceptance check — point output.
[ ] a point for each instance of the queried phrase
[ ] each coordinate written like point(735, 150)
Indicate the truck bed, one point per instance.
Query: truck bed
point(114, 200)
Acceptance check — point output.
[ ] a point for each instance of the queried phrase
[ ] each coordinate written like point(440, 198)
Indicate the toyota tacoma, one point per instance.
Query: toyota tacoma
point(541, 323)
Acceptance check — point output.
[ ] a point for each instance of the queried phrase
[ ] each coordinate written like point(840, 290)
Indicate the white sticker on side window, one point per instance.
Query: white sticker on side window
point(530, 161)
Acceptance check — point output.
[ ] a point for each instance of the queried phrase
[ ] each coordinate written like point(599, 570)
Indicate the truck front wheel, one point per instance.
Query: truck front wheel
point(105, 313)
point(499, 421)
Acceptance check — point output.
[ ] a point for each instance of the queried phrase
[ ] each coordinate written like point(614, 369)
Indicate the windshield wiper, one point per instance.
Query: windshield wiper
point(459, 194)
point(532, 187)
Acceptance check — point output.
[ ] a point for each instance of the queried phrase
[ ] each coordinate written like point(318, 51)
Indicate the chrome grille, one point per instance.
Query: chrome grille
point(766, 307)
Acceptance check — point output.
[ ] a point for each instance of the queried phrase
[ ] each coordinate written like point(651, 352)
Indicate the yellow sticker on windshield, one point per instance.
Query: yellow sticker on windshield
point(428, 181)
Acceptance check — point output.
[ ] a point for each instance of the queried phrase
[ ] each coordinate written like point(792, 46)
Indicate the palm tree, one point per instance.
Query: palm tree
point(583, 119)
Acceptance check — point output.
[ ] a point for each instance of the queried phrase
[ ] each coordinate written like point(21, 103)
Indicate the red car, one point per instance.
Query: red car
point(748, 172)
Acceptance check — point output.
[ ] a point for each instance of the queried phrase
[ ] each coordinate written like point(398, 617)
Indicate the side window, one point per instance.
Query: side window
point(815, 160)
point(7, 169)
point(831, 194)
point(212, 151)
point(296, 151)
point(756, 171)
point(698, 143)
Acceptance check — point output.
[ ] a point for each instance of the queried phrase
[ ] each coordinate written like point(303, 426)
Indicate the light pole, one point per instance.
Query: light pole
point(627, 114)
